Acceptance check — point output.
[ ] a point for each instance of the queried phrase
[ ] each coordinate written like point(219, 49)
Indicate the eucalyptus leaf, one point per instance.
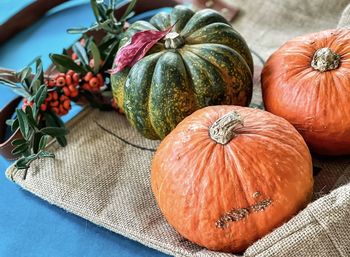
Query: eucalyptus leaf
point(23, 123)
point(67, 62)
point(81, 52)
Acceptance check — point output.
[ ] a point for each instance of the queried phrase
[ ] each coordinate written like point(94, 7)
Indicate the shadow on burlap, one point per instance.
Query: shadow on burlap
point(103, 174)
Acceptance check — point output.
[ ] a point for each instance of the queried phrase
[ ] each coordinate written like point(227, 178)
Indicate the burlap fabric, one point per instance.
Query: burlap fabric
point(103, 174)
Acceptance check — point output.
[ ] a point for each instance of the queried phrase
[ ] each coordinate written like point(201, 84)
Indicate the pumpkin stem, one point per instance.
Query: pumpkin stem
point(173, 40)
point(222, 130)
point(325, 59)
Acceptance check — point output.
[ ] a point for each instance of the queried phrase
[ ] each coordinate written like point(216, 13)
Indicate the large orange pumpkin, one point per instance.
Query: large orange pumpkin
point(307, 81)
point(227, 175)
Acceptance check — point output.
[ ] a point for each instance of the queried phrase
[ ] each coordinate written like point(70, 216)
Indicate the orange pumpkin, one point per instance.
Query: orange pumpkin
point(227, 175)
point(307, 82)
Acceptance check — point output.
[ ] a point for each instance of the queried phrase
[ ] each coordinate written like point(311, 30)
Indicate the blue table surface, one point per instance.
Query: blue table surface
point(30, 226)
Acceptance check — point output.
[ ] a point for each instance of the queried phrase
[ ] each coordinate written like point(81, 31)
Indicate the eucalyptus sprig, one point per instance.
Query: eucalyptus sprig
point(36, 127)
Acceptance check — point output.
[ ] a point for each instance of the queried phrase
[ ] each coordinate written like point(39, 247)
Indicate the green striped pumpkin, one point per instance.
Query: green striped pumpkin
point(203, 62)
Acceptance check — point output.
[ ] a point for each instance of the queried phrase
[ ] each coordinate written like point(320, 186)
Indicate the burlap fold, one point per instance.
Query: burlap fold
point(103, 174)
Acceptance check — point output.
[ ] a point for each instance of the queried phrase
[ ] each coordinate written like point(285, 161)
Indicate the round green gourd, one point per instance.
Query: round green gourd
point(202, 62)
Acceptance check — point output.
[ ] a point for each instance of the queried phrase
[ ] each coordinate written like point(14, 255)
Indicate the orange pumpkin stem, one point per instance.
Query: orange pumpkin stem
point(223, 130)
point(325, 59)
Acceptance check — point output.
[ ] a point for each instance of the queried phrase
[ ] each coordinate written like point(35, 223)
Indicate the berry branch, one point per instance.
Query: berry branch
point(80, 76)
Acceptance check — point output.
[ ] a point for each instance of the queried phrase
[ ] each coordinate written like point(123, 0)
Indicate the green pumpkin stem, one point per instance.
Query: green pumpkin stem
point(173, 40)
point(325, 59)
point(223, 130)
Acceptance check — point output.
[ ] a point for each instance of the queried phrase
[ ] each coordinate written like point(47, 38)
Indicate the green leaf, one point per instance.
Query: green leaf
point(67, 62)
point(62, 141)
point(52, 120)
point(35, 142)
point(77, 30)
point(35, 85)
point(20, 149)
point(61, 68)
point(81, 52)
point(110, 56)
point(102, 10)
point(18, 142)
point(128, 10)
point(9, 122)
point(40, 95)
point(106, 43)
point(106, 26)
point(24, 162)
point(15, 125)
point(21, 91)
point(132, 14)
point(30, 118)
point(94, 7)
point(44, 154)
point(21, 163)
point(23, 123)
point(96, 55)
point(54, 131)
point(39, 76)
point(8, 82)
point(43, 142)
point(25, 73)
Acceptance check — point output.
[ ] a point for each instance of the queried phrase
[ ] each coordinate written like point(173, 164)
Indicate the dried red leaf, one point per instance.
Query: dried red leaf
point(140, 44)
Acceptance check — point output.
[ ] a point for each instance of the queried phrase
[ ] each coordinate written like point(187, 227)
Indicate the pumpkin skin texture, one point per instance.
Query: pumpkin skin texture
point(315, 101)
point(208, 63)
point(226, 196)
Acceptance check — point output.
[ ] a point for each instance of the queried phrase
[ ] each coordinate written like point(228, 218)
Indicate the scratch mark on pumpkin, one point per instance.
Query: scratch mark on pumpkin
point(241, 213)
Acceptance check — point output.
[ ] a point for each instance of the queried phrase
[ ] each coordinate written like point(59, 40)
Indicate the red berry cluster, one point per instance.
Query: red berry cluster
point(59, 101)
point(60, 104)
point(92, 83)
